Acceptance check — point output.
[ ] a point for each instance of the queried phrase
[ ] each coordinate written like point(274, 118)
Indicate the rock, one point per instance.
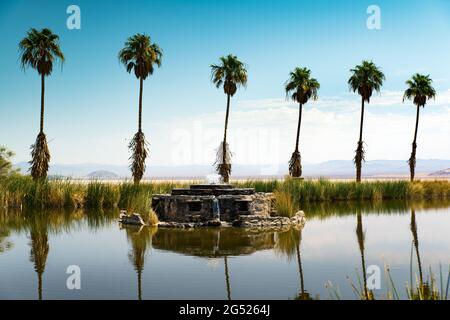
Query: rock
point(134, 218)
point(214, 223)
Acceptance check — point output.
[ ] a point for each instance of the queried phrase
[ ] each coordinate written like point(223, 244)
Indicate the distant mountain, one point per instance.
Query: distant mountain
point(441, 173)
point(329, 169)
point(102, 175)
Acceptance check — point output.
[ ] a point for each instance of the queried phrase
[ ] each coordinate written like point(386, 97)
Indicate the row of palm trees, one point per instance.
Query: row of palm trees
point(40, 49)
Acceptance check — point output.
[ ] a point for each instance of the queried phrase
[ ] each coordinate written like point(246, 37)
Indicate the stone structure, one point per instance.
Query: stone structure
point(207, 203)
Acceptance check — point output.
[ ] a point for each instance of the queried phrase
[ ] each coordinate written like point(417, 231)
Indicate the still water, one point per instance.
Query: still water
point(143, 263)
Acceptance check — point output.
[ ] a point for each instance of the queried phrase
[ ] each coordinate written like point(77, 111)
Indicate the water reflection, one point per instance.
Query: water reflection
point(39, 249)
point(214, 243)
point(140, 239)
point(425, 289)
point(5, 243)
point(307, 271)
point(360, 234)
point(327, 210)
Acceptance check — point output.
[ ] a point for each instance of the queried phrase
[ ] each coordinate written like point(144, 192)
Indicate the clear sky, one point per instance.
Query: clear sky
point(91, 104)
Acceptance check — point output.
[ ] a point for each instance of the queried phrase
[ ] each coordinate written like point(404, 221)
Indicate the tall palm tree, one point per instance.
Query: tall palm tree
point(38, 50)
point(365, 79)
point(300, 87)
point(231, 74)
point(140, 55)
point(419, 90)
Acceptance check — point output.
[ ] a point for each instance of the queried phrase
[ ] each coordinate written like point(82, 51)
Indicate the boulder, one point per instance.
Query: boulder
point(134, 219)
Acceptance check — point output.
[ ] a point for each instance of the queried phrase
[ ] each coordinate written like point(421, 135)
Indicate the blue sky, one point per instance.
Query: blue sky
point(91, 104)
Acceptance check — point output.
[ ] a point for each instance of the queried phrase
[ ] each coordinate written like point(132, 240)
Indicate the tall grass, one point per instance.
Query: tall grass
point(433, 288)
point(19, 191)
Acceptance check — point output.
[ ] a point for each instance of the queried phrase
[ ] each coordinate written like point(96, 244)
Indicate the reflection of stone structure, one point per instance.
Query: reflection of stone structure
point(213, 242)
point(202, 203)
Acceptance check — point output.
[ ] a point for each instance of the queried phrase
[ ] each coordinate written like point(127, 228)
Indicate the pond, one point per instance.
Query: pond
point(326, 256)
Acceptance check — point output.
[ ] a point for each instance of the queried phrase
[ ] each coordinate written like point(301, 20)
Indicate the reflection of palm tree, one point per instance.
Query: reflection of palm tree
point(39, 252)
point(288, 244)
point(227, 278)
point(360, 235)
point(140, 239)
point(416, 243)
point(303, 294)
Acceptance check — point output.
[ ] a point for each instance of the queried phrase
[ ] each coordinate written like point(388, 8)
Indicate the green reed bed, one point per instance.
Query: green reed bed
point(22, 192)
point(17, 191)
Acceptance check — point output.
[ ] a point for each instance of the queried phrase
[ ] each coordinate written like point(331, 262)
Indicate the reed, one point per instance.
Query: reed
point(18, 191)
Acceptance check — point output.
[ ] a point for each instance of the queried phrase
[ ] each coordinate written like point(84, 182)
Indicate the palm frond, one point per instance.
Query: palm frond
point(39, 50)
point(140, 55)
point(365, 79)
point(419, 89)
point(301, 87)
point(229, 73)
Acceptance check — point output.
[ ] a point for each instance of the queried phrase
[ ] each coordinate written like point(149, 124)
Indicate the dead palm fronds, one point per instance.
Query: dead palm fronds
point(359, 158)
point(295, 166)
point(139, 151)
point(223, 161)
point(40, 157)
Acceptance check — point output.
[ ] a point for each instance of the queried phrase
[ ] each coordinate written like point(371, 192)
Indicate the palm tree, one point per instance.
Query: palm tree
point(419, 90)
point(365, 79)
point(301, 87)
point(38, 50)
point(140, 55)
point(231, 73)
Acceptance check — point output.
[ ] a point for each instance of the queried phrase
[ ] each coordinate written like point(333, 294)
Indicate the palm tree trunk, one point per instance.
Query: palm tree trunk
point(360, 235)
point(416, 244)
point(412, 159)
point(141, 85)
point(295, 164)
point(300, 270)
point(298, 126)
point(41, 130)
point(225, 177)
point(40, 285)
point(139, 284)
point(226, 128)
point(227, 278)
point(360, 150)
